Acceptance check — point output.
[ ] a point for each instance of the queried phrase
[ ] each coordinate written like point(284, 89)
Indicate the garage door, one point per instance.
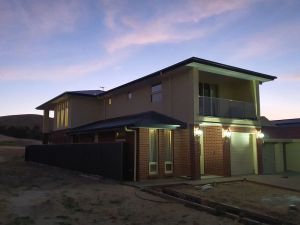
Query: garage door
point(241, 154)
point(268, 158)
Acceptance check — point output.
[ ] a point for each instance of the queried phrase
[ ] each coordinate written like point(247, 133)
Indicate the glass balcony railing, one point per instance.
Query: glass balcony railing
point(226, 108)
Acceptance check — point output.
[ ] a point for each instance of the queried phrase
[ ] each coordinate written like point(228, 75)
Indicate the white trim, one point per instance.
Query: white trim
point(156, 171)
point(168, 163)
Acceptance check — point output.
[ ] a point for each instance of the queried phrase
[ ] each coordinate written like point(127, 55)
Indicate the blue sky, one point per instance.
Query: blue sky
point(48, 47)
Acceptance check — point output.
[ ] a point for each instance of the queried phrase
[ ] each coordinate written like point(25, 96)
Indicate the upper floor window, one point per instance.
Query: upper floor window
point(62, 114)
point(208, 90)
point(156, 95)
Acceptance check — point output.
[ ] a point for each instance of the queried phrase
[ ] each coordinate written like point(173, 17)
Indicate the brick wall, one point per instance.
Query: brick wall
point(142, 157)
point(181, 156)
point(213, 150)
point(181, 153)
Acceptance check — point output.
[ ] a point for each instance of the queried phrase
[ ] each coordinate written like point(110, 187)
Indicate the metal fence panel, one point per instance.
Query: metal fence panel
point(105, 159)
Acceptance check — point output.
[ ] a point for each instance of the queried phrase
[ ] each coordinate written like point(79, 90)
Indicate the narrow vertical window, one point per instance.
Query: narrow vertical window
point(66, 114)
point(62, 115)
point(57, 116)
point(153, 151)
point(156, 95)
point(168, 146)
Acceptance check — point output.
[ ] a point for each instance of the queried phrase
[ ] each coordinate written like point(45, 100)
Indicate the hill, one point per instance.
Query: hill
point(22, 126)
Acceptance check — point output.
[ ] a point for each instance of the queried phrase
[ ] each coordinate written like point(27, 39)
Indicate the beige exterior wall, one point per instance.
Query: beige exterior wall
point(180, 98)
point(177, 97)
point(84, 110)
point(293, 157)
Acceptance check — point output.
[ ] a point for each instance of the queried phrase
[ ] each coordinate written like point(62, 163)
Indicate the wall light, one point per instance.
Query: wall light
point(227, 133)
point(197, 132)
point(260, 135)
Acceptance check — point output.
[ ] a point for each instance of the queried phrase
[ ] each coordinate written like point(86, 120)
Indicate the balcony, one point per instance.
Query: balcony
point(226, 108)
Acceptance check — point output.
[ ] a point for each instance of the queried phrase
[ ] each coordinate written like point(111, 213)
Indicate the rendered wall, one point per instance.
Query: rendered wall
point(84, 110)
point(177, 97)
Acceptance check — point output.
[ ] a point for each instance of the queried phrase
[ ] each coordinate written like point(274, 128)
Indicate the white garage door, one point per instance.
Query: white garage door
point(241, 154)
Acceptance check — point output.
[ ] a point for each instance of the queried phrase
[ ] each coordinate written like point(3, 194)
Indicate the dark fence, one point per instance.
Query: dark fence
point(105, 159)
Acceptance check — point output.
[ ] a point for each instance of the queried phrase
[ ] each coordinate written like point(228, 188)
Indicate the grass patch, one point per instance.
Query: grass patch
point(24, 220)
point(116, 201)
point(63, 217)
point(70, 203)
point(8, 143)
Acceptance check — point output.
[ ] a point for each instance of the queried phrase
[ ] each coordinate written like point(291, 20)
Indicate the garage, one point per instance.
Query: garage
point(241, 154)
point(268, 158)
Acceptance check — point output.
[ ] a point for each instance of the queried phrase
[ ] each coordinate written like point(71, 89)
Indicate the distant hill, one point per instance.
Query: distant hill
point(22, 126)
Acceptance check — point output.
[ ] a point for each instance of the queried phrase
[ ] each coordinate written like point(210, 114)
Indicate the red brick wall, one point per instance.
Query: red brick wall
point(59, 137)
point(213, 150)
point(142, 157)
point(181, 153)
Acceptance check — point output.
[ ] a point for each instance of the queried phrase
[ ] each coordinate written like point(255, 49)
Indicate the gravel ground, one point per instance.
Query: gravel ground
point(38, 194)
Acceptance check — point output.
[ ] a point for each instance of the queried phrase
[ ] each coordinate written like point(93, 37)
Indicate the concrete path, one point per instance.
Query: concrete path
point(290, 182)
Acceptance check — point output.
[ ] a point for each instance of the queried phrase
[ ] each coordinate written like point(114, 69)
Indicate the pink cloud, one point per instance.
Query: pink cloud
point(169, 24)
point(275, 41)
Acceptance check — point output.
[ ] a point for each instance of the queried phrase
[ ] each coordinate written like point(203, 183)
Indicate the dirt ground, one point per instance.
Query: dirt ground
point(256, 197)
point(38, 194)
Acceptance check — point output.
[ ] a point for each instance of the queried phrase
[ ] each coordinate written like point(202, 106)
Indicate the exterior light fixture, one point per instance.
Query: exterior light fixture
point(260, 135)
point(227, 133)
point(197, 132)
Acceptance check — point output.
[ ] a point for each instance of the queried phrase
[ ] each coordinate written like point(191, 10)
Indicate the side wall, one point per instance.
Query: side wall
point(85, 110)
point(177, 97)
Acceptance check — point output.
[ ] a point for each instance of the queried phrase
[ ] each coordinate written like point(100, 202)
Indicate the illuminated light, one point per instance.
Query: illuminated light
point(260, 135)
point(227, 133)
point(197, 132)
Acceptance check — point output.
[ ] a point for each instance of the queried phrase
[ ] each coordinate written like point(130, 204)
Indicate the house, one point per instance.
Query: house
point(193, 118)
point(281, 147)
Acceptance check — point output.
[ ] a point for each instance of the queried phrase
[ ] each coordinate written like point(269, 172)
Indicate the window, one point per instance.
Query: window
point(168, 146)
point(62, 114)
point(129, 96)
point(156, 95)
point(153, 151)
point(208, 90)
point(109, 101)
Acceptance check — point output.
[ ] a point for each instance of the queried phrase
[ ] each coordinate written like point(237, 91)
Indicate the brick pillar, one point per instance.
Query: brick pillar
point(194, 154)
point(259, 145)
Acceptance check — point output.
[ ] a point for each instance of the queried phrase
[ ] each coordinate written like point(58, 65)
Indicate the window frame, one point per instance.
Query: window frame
point(156, 92)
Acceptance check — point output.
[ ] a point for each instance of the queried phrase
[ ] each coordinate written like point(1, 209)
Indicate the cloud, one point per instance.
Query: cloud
point(36, 18)
point(61, 72)
point(291, 77)
point(273, 41)
point(175, 23)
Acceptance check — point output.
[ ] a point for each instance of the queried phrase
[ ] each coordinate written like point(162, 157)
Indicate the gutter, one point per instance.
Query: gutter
point(135, 143)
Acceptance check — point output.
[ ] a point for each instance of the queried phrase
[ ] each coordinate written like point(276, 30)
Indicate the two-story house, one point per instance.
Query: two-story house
point(192, 118)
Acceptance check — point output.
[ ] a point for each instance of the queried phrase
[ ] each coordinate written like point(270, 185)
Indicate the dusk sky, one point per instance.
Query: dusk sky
point(48, 47)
